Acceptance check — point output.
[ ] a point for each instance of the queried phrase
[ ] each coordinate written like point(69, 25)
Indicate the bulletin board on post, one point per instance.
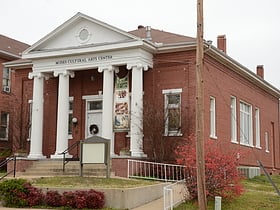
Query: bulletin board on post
point(95, 150)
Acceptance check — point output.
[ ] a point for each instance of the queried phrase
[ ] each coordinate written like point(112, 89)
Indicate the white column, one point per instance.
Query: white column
point(36, 141)
point(107, 111)
point(62, 112)
point(136, 127)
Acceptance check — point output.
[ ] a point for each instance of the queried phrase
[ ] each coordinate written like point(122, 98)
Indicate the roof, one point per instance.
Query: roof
point(162, 36)
point(11, 47)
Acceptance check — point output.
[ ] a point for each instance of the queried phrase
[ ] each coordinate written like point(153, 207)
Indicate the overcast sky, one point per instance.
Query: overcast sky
point(251, 26)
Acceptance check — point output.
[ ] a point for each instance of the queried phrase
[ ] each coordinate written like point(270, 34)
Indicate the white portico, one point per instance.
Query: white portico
point(80, 44)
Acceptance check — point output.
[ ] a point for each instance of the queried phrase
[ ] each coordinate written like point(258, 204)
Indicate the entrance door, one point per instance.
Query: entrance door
point(94, 118)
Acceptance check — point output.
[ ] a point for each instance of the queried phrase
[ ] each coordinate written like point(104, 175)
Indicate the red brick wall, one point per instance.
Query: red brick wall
point(222, 83)
point(170, 71)
point(119, 166)
point(21, 165)
point(7, 105)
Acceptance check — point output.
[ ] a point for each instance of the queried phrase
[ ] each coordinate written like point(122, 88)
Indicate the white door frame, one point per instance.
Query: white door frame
point(88, 99)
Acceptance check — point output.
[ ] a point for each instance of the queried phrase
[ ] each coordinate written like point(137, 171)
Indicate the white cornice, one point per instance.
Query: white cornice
point(83, 50)
point(164, 48)
point(72, 21)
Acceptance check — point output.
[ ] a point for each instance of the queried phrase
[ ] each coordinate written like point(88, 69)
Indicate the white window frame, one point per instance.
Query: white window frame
point(5, 126)
point(213, 117)
point(246, 125)
point(257, 128)
point(233, 120)
point(167, 106)
point(30, 104)
point(6, 80)
point(266, 140)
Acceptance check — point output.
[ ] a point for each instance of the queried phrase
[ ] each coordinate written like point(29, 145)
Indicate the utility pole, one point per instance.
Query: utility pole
point(200, 162)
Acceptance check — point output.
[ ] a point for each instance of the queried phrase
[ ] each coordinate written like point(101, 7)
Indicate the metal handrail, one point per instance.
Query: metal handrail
point(66, 160)
point(5, 162)
point(155, 171)
point(174, 194)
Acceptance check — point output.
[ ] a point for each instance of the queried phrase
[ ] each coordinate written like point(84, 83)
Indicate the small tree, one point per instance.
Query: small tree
point(221, 174)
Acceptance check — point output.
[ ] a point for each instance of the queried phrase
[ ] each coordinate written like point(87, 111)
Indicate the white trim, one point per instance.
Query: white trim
point(6, 138)
point(233, 115)
point(212, 117)
point(30, 104)
point(250, 137)
point(266, 140)
point(80, 40)
point(257, 128)
point(167, 92)
point(92, 97)
point(172, 91)
point(89, 98)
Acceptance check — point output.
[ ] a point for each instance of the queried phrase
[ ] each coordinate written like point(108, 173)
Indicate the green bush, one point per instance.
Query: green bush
point(10, 191)
point(20, 193)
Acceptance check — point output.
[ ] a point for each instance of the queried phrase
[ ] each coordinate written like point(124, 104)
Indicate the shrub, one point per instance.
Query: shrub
point(95, 199)
point(80, 198)
point(53, 198)
point(68, 199)
point(13, 192)
point(19, 193)
point(221, 173)
point(34, 196)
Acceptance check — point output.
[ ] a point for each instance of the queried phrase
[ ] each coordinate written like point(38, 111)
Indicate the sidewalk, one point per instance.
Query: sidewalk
point(154, 205)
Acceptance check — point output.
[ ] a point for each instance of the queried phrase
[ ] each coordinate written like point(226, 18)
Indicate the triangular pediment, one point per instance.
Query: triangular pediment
point(81, 31)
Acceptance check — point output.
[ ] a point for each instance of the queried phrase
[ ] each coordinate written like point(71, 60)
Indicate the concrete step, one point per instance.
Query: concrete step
point(55, 168)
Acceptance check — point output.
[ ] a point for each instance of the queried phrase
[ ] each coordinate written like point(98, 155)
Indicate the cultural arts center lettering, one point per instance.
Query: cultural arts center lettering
point(83, 60)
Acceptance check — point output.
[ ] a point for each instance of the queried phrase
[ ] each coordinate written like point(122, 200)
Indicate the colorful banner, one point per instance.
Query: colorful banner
point(121, 104)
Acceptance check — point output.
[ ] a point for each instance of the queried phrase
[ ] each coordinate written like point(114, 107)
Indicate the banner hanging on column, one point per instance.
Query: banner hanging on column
point(121, 104)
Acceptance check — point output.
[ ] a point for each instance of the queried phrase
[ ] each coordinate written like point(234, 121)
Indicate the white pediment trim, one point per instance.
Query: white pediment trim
point(79, 16)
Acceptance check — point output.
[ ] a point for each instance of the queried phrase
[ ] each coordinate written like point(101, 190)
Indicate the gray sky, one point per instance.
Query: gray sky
point(251, 26)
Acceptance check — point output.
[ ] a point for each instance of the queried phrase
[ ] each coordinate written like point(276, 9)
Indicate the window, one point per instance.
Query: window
point(172, 109)
point(70, 117)
point(94, 105)
point(213, 117)
point(4, 127)
point(246, 124)
point(266, 139)
point(257, 127)
point(6, 80)
point(30, 103)
point(233, 119)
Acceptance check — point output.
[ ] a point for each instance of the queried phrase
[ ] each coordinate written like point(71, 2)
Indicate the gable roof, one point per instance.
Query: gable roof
point(162, 36)
point(11, 47)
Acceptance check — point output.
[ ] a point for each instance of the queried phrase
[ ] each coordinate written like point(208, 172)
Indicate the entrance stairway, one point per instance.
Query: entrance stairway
point(55, 168)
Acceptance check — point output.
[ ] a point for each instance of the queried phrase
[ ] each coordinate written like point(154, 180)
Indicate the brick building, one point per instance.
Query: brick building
point(10, 50)
point(138, 90)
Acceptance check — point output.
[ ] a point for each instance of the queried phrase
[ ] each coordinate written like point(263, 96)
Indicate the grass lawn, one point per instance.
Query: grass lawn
point(259, 195)
point(77, 182)
point(89, 182)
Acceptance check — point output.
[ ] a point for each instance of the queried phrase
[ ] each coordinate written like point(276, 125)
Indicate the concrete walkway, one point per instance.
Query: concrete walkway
point(154, 205)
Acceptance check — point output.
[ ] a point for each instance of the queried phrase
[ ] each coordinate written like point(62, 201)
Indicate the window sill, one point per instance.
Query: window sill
point(234, 142)
point(267, 151)
point(258, 148)
point(247, 145)
point(3, 139)
point(213, 137)
point(70, 137)
point(173, 134)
